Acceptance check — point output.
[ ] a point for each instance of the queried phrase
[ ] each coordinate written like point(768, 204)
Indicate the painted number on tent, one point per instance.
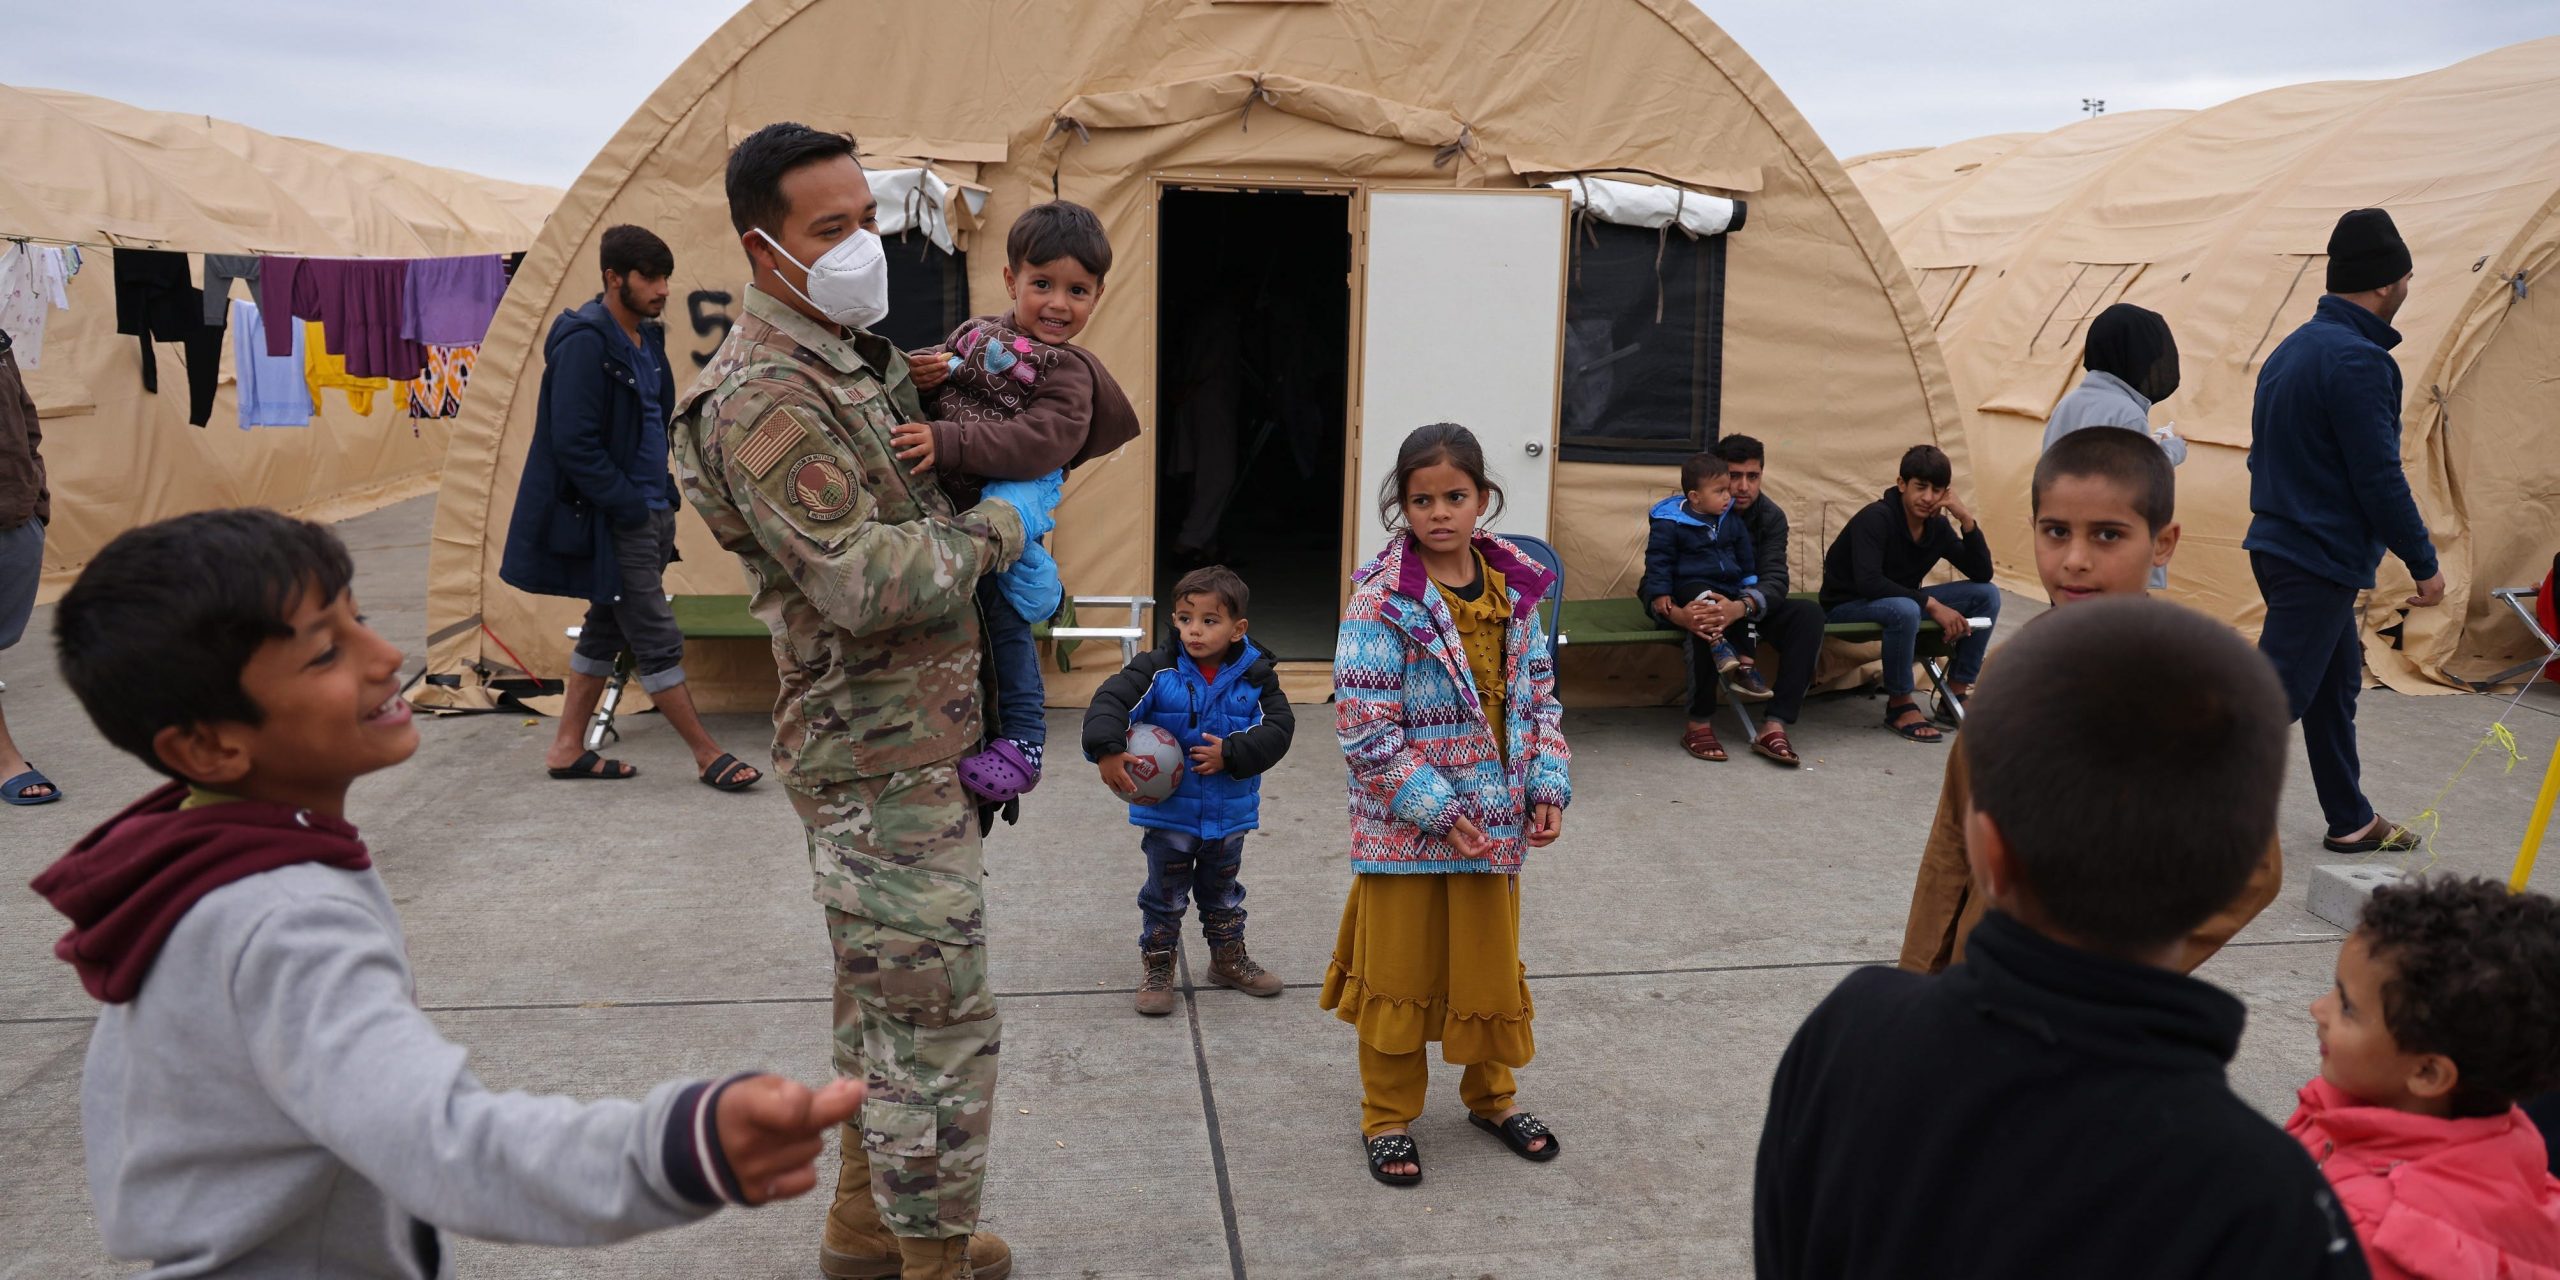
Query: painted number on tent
point(707, 323)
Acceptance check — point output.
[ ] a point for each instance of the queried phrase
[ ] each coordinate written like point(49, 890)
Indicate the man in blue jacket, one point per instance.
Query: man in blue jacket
point(2328, 496)
point(595, 515)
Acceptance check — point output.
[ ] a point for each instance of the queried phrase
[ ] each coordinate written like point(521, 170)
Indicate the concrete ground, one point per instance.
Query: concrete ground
point(595, 939)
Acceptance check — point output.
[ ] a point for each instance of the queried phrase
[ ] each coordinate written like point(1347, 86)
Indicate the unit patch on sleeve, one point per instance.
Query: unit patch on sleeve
point(820, 486)
point(771, 439)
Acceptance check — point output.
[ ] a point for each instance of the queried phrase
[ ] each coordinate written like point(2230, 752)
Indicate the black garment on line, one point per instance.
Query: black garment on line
point(2135, 345)
point(157, 301)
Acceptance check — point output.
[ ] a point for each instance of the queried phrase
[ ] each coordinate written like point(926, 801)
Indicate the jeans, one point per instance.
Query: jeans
point(639, 619)
point(1900, 617)
point(2311, 637)
point(1794, 629)
point(1016, 655)
point(1182, 869)
point(21, 569)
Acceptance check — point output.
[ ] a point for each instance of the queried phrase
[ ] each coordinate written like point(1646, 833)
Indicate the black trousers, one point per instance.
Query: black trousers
point(2311, 637)
point(1794, 629)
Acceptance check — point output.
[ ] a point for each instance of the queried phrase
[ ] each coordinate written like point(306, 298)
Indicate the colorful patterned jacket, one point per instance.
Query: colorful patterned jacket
point(1413, 731)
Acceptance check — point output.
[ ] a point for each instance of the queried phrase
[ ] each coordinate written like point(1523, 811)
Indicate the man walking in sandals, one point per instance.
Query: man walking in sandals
point(2327, 495)
point(595, 515)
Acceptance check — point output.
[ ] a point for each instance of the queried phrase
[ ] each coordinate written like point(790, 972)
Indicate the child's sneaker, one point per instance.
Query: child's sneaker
point(1229, 966)
point(1747, 684)
point(1155, 990)
point(1727, 661)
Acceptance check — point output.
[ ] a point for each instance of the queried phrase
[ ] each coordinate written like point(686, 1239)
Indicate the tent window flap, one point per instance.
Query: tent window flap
point(1643, 344)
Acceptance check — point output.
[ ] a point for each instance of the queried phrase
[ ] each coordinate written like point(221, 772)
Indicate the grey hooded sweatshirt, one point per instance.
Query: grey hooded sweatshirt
point(272, 1102)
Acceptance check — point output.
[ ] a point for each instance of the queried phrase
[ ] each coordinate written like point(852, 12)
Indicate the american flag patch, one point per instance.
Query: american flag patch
point(763, 450)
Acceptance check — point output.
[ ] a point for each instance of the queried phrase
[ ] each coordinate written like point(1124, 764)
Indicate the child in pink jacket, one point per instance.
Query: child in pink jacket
point(2446, 1011)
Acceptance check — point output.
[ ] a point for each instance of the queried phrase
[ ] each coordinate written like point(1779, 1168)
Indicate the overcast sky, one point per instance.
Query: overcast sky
point(530, 89)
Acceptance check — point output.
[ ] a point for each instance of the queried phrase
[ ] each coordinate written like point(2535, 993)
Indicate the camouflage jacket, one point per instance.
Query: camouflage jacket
point(863, 572)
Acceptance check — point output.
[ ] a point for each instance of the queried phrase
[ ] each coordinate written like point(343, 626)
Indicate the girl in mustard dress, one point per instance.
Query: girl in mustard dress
point(1444, 694)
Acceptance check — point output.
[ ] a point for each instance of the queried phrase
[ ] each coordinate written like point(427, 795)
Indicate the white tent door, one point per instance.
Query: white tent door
point(1463, 322)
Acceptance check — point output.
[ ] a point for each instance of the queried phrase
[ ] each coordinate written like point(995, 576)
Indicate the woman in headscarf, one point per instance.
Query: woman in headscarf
point(2133, 364)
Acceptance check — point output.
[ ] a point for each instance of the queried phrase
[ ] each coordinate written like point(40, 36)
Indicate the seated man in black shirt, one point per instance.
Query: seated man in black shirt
point(1792, 627)
point(2055, 1105)
point(1874, 570)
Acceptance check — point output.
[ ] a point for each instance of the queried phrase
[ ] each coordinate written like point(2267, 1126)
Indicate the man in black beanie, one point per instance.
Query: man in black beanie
point(2328, 496)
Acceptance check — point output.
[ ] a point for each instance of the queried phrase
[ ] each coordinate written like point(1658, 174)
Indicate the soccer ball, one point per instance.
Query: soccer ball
point(1154, 763)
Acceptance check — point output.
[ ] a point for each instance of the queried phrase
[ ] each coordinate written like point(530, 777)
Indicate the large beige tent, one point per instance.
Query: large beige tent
point(2219, 219)
point(1382, 166)
point(88, 171)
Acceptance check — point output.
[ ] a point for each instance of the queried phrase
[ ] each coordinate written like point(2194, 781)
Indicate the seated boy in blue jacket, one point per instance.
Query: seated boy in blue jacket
point(1697, 554)
point(1219, 696)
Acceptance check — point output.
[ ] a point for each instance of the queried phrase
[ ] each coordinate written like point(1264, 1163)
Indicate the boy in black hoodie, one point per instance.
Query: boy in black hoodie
point(1873, 573)
point(2055, 1105)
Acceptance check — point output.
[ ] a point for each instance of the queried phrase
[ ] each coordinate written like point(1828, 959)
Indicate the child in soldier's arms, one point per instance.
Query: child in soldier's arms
point(1217, 693)
point(262, 1094)
point(1020, 402)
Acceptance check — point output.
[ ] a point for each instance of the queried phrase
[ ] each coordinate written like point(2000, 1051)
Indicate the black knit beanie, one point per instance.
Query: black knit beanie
point(2365, 252)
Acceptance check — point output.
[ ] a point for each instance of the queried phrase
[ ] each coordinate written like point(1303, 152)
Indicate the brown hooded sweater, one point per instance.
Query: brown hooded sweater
point(1018, 408)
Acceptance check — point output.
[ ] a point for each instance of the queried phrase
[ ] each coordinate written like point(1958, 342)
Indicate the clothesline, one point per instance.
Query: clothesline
point(14, 237)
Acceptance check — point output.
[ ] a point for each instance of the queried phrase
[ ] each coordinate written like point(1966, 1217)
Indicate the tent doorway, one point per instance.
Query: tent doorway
point(1254, 336)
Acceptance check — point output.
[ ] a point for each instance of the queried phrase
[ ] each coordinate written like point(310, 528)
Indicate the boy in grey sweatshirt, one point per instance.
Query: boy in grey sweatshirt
point(262, 1095)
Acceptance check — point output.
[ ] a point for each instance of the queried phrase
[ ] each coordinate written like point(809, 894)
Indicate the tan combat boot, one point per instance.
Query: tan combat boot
point(856, 1246)
point(1155, 990)
point(951, 1259)
point(1229, 966)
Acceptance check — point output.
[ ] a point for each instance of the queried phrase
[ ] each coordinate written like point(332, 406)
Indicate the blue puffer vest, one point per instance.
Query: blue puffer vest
point(1211, 806)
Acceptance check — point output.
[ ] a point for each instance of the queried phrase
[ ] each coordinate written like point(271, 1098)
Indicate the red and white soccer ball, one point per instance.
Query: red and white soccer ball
point(1154, 763)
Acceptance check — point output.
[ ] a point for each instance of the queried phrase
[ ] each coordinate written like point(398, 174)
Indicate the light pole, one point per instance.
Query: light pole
point(2096, 107)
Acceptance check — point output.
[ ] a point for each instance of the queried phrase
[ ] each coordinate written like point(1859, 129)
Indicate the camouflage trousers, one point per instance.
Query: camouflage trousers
point(898, 866)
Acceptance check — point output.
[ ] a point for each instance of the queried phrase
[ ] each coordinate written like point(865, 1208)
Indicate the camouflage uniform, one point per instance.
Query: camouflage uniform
point(864, 573)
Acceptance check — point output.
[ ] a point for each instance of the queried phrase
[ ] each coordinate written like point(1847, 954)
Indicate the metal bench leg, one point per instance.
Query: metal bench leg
point(1741, 710)
point(1938, 681)
point(600, 725)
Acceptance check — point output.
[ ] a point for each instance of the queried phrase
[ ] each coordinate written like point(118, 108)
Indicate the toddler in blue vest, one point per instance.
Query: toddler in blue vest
point(1217, 693)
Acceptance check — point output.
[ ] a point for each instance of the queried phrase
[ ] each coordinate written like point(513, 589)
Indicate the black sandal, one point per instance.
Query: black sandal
point(1949, 708)
point(590, 766)
point(1518, 1132)
point(1394, 1148)
point(1919, 730)
point(725, 774)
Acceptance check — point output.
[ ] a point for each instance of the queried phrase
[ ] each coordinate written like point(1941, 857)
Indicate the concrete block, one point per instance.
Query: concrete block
point(2338, 890)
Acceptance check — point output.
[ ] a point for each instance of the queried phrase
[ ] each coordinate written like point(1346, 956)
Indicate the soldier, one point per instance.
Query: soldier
point(865, 575)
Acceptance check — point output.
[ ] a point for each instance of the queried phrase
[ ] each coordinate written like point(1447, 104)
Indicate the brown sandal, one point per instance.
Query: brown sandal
point(1772, 744)
point(1700, 741)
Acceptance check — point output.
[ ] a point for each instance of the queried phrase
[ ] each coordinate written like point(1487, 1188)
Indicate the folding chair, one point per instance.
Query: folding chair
point(1550, 605)
point(2515, 598)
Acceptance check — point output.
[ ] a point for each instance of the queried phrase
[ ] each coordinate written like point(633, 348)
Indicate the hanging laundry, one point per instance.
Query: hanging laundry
point(157, 300)
point(273, 389)
point(437, 392)
point(514, 261)
point(220, 269)
point(31, 284)
point(451, 300)
point(323, 370)
point(359, 301)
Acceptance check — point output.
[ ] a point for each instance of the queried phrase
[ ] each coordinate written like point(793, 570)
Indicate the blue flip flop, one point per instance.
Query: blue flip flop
point(15, 790)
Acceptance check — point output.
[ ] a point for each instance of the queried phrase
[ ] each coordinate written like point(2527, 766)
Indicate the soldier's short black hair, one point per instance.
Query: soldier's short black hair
point(1741, 449)
point(1698, 468)
point(1928, 464)
point(2131, 753)
point(757, 164)
point(1059, 229)
point(1215, 580)
point(2129, 460)
point(156, 631)
point(2477, 979)
point(629, 250)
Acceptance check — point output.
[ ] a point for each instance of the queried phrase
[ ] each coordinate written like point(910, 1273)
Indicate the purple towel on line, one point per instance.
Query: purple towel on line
point(451, 300)
point(358, 302)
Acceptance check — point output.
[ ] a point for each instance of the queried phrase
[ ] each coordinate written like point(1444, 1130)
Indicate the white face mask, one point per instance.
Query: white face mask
point(849, 283)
